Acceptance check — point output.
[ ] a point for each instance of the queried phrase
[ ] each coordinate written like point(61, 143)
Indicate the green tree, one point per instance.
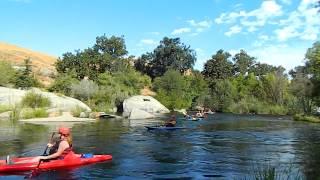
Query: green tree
point(143, 63)
point(172, 90)
point(170, 54)
point(218, 67)
point(63, 82)
point(275, 86)
point(313, 66)
point(242, 62)
point(114, 46)
point(107, 55)
point(261, 69)
point(223, 95)
point(197, 88)
point(302, 87)
point(24, 78)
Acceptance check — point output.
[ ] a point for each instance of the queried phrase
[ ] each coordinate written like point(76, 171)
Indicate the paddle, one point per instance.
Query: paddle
point(45, 150)
point(35, 172)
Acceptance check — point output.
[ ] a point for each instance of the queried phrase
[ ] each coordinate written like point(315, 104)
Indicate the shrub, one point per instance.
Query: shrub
point(302, 117)
point(84, 90)
point(62, 84)
point(34, 100)
point(34, 113)
point(5, 108)
point(77, 111)
point(253, 105)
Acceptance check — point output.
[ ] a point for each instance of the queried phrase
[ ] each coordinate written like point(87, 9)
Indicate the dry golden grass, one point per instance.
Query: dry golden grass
point(40, 62)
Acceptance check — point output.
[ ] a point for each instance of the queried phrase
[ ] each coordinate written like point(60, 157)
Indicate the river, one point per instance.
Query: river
point(223, 146)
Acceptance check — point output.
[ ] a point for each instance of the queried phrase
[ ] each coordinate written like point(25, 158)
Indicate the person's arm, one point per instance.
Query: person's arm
point(63, 145)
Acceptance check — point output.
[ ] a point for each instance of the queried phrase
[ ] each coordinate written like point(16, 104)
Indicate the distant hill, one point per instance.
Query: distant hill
point(43, 64)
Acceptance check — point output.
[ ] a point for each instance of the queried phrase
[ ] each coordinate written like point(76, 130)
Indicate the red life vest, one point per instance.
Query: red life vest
point(55, 148)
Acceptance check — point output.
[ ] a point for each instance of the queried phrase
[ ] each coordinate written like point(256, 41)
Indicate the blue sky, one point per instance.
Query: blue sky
point(276, 32)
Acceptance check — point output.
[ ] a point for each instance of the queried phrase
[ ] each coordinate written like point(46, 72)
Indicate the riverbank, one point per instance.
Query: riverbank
point(66, 116)
point(307, 118)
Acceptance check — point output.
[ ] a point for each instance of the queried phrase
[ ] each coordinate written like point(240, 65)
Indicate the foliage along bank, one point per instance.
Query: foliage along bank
point(105, 74)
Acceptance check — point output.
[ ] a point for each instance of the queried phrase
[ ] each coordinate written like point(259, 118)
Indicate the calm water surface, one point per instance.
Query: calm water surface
point(224, 146)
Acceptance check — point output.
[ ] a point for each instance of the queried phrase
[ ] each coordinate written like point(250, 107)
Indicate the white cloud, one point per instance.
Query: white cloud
point(148, 42)
point(279, 55)
point(200, 24)
point(262, 39)
point(252, 20)
point(303, 23)
point(276, 55)
point(286, 33)
point(233, 30)
point(180, 31)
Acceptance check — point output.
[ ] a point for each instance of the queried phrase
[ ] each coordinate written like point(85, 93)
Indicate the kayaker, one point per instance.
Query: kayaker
point(64, 144)
point(59, 149)
point(199, 114)
point(171, 122)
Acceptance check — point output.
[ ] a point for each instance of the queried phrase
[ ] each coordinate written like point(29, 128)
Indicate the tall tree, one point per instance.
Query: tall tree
point(170, 86)
point(275, 85)
point(104, 56)
point(242, 62)
point(302, 87)
point(260, 69)
point(114, 46)
point(24, 77)
point(142, 64)
point(218, 67)
point(170, 54)
point(313, 65)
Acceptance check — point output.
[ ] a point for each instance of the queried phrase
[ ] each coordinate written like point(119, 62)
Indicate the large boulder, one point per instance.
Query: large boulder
point(140, 114)
point(145, 103)
point(9, 96)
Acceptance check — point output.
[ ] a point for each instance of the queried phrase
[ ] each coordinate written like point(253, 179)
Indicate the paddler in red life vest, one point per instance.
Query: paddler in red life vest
point(58, 150)
point(62, 147)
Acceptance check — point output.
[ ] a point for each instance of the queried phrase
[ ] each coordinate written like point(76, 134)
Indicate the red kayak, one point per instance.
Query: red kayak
point(68, 161)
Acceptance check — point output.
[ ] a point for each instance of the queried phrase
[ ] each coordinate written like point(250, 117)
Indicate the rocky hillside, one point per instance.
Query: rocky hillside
point(43, 65)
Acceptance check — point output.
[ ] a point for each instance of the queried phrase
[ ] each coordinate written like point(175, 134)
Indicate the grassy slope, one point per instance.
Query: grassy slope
point(40, 61)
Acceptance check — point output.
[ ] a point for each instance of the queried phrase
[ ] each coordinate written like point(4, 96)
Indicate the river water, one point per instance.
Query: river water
point(223, 146)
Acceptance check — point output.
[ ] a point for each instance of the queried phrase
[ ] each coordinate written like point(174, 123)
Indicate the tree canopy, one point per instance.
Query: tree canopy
point(170, 54)
point(219, 67)
point(104, 56)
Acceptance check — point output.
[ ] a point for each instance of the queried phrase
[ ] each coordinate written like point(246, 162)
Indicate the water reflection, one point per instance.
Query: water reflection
point(223, 146)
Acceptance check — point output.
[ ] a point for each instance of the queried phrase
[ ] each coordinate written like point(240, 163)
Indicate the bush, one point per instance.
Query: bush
point(77, 111)
point(302, 117)
point(62, 84)
point(34, 100)
point(5, 108)
point(253, 105)
point(34, 113)
point(84, 90)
